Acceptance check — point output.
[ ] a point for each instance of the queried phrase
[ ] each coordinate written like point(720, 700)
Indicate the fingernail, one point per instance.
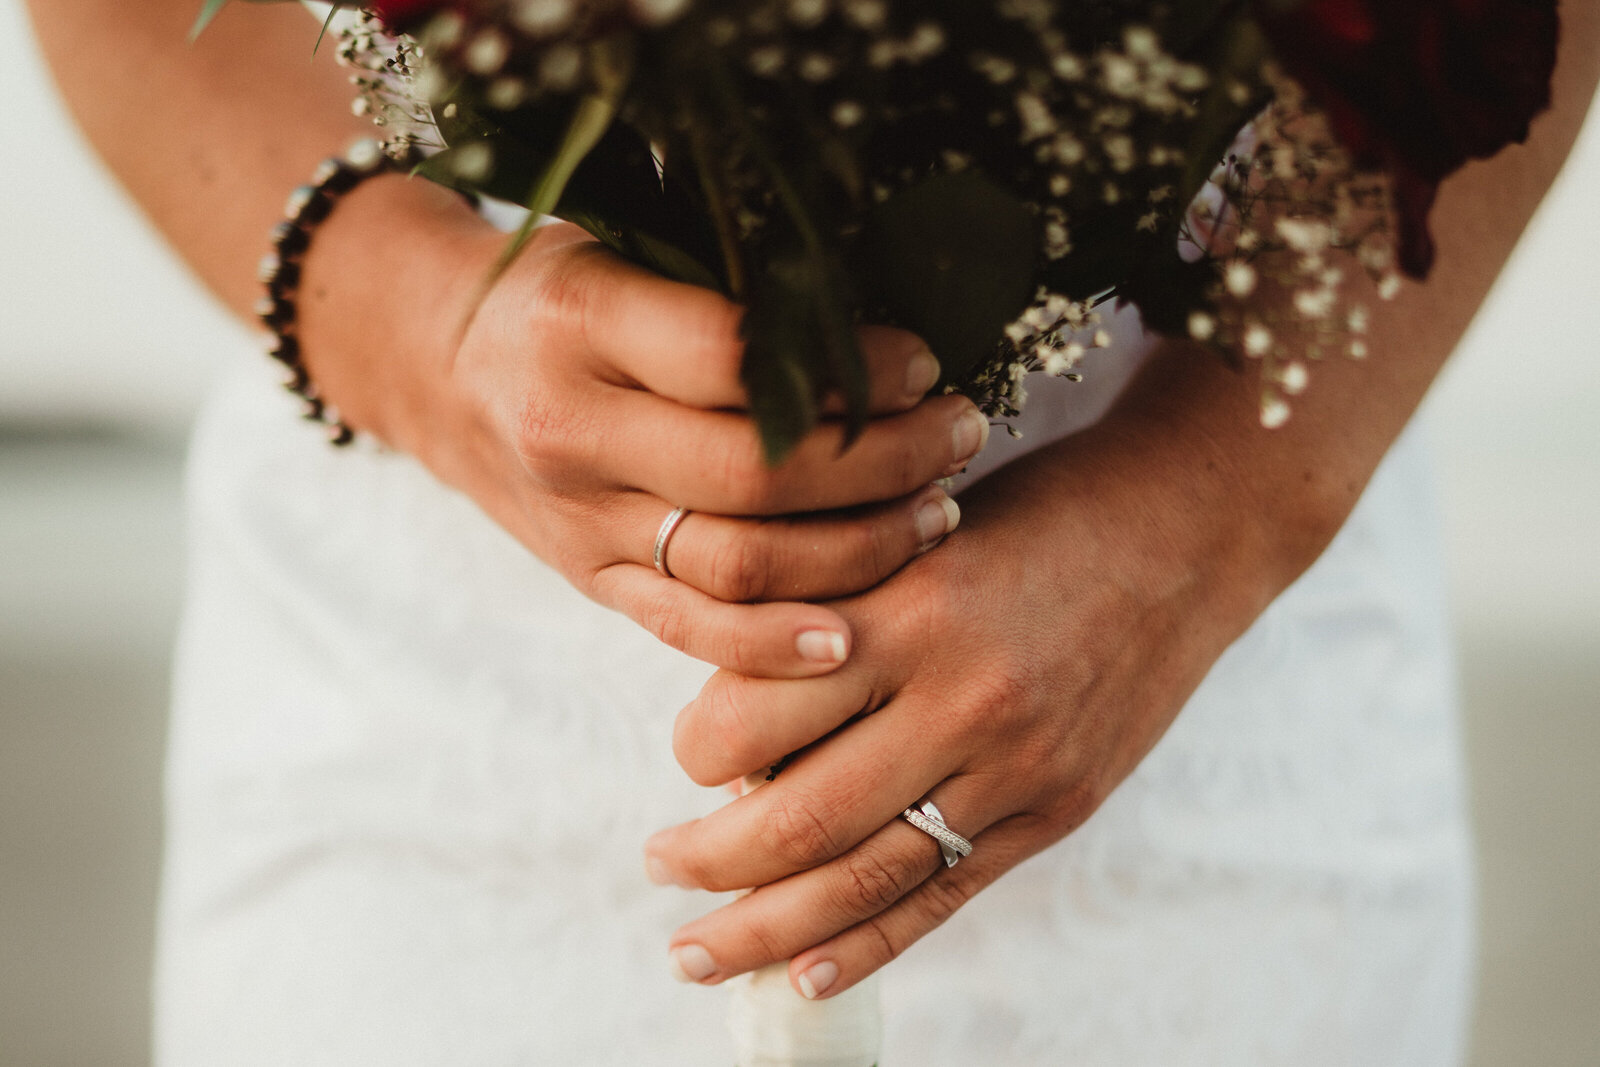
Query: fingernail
point(936, 516)
point(821, 646)
point(922, 373)
point(815, 980)
point(691, 963)
point(971, 433)
point(656, 871)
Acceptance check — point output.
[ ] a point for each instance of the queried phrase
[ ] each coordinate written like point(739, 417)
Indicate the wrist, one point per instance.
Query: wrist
point(1248, 508)
point(384, 289)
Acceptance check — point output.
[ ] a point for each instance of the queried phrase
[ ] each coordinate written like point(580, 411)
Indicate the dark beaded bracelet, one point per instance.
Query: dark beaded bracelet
point(309, 206)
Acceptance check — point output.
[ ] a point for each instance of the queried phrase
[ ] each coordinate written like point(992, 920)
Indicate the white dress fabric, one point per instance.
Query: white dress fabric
point(412, 770)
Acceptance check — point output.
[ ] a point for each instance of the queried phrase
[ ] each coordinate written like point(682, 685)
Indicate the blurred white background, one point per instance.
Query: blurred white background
point(105, 346)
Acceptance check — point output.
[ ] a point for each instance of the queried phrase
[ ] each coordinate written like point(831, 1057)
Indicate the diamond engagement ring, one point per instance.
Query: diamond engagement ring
point(925, 817)
point(663, 535)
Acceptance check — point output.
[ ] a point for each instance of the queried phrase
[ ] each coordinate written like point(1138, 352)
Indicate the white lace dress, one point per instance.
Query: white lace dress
point(411, 772)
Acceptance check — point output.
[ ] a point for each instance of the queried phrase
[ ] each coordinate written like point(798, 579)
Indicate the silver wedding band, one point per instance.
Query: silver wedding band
point(663, 535)
point(925, 817)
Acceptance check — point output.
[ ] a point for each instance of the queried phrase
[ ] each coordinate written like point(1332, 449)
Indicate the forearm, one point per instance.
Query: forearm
point(1281, 494)
point(210, 137)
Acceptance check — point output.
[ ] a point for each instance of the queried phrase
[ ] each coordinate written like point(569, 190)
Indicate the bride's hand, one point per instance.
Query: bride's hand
point(588, 398)
point(1015, 677)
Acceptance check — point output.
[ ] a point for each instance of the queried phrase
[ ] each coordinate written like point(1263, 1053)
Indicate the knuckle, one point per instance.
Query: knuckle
point(1077, 801)
point(738, 650)
point(666, 619)
point(716, 744)
point(745, 479)
point(693, 869)
point(930, 608)
point(715, 328)
point(740, 568)
point(768, 945)
point(569, 299)
point(550, 426)
point(943, 897)
point(997, 705)
point(538, 426)
point(881, 548)
point(800, 831)
point(684, 627)
point(884, 944)
point(1004, 687)
point(690, 746)
point(908, 462)
point(868, 883)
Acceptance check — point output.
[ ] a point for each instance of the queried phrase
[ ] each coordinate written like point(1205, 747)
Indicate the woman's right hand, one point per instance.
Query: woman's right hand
point(588, 397)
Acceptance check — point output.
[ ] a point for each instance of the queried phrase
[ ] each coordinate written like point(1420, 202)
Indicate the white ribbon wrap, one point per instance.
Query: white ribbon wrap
point(773, 1026)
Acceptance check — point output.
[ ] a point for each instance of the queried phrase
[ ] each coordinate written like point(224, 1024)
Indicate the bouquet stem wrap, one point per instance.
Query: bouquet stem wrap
point(773, 1026)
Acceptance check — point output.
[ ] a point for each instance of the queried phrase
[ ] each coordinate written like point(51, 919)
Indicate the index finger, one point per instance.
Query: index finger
point(826, 802)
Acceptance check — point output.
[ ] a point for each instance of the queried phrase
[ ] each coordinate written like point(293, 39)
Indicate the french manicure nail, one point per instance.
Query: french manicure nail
point(821, 646)
point(936, 517)
point(815, 980)
point(656, 871)
point(691, 963)
point(922, 372)
point(970, 434)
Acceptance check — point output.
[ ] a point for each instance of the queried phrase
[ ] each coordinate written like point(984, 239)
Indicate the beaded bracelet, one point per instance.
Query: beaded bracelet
point(279, 272)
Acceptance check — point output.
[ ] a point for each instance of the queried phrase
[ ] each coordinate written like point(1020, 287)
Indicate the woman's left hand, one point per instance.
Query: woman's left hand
point(1014, 678)
point(1022, 671)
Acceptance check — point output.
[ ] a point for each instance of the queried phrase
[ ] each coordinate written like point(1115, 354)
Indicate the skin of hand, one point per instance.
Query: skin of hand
point(586, 398)
point(1020, 674)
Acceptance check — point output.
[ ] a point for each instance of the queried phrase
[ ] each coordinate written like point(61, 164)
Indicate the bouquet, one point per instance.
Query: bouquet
point(986, 173)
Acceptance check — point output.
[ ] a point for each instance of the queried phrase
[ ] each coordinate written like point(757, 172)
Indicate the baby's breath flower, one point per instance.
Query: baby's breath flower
point(1077, 112)
point(473, 161)
point(488, 52)
point(1240, 278)
point(807, 13)
point(866, 14)
point(1257, 340)
point(657, 12)
point(1294, 377)
point(1274, 412)
point(542, 17)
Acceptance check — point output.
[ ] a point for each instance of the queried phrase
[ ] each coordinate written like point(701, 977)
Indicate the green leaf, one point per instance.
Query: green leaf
point(782, 400)
point(612, 59)
point(613, 66)
point(1168, 290)
point(208, 11)
point(805, 292)
point(512, 173)
point(952, 259)
point(1237, 53)
point(333, 9)
point(646, 249)
point(594, 114)
point(799, 338)
point(458, 118)
point(1106, 248)
point(210, 8)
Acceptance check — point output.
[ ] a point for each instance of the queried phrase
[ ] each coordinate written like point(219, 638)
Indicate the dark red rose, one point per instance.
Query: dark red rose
point(1419, 87)
point(404, 14)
